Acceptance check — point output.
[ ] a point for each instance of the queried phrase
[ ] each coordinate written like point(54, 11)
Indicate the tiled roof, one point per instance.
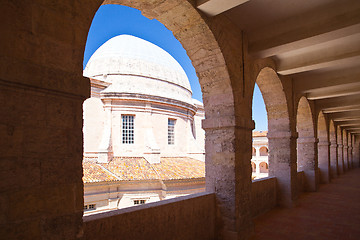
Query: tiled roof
point(259, 133)
point(95, 173)
point(131, 168)
point(179, 168)
point(137, 168)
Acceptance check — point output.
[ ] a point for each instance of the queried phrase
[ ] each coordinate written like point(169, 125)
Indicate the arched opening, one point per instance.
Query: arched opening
point(259, 134)
point(217, 96)
point(264, 168)
point(281, 141)
point(340, 149)
point(306, 145)
point(139, 121)
point(264, 151)
point(253, 167)
point(333, 151)
point(323, 149)
point(253, 151)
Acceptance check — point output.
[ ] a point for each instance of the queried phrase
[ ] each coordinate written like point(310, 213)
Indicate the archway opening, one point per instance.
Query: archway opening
point(148, 128)
point(264, 151)
point(306, 145)
point(264, 168)
point(259, 135)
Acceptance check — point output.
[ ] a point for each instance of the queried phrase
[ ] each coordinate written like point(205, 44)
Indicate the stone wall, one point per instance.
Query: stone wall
point(263, 195)
point(189, 217)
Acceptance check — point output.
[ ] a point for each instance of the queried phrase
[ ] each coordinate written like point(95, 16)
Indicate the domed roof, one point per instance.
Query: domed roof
point(131, 56)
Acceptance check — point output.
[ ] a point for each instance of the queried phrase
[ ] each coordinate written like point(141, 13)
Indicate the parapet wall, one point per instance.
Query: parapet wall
point(188, 217)
point(263, 195)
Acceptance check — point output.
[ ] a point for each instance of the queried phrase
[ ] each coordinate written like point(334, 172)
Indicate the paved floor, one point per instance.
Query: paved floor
point(331, 213)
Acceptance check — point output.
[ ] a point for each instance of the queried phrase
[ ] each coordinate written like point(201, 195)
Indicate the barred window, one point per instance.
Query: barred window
point(139, 202)
point(171, 127)
point(89, 207)
point(127, 129)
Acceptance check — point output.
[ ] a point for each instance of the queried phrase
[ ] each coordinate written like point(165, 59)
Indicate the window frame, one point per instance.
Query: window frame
point(127, 129)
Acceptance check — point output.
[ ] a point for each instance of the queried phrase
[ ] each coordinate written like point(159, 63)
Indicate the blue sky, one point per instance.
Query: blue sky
point(114, 20)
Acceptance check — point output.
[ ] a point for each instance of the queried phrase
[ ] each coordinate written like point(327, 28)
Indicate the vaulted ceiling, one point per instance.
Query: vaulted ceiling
point(316, 43)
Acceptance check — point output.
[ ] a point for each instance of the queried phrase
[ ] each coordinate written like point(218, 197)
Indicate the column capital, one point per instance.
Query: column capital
point(339, 145)
point(282, 134)
point(307, 140)
point(227, 122)
point(323, 143)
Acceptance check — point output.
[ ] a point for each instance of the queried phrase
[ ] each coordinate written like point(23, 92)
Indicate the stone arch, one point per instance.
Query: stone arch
point(275, 100)
point(264, 168)
point(323, 149)
point(306, 145)
point(281, 141)
point(208, 49)
point(253, 167)
point(253, 151)
point(333, 150)
point(263, 151)
point(339, 138)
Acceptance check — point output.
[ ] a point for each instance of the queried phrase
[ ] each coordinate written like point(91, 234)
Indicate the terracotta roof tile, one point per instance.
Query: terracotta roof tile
point(259, 133)
point(131, 168)
point(179, 168)
point(95, 173)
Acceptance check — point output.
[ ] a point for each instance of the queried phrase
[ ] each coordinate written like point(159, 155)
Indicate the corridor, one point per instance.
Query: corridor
point(331, 213)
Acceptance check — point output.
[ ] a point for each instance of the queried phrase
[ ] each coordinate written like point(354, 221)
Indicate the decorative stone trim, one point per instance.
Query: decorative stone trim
point(283, 134)
point(307, 140)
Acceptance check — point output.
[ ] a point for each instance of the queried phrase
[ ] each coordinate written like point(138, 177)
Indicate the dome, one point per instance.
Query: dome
point(133, 65)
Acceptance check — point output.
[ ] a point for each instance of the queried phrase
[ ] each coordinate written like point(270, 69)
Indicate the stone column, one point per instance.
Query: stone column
point(340, 159)
point(356, 153)
point(282, 165)
point(307, 161)
point(333, 160)
point(345, 158)
point(228, 174)
point(257, 167)
point(324, 161)
point(350, 162)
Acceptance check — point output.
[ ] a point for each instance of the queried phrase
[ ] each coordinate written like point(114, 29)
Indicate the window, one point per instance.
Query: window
point(127, 129)
point(139, 201)
point(171, 126)
point(89, 207)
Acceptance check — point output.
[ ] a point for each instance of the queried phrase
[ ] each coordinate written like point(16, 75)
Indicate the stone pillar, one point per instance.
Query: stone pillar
point(345, 158)
point(282, 165)
point(340, 159)
point(324, 161)
point(307, 161)
point(350, 163)
point(333, 160)
point(257, 167)
point(105, 149)
point(356, 152)
point(228, 174)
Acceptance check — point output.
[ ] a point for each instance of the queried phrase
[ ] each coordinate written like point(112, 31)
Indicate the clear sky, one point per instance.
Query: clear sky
point(114, 20)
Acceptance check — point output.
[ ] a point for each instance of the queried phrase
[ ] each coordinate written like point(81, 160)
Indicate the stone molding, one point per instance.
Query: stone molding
point(282, 134)
point(307, 140)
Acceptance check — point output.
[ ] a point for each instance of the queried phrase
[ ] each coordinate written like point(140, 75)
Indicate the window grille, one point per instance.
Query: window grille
point(127, 129)
point(171, 134)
